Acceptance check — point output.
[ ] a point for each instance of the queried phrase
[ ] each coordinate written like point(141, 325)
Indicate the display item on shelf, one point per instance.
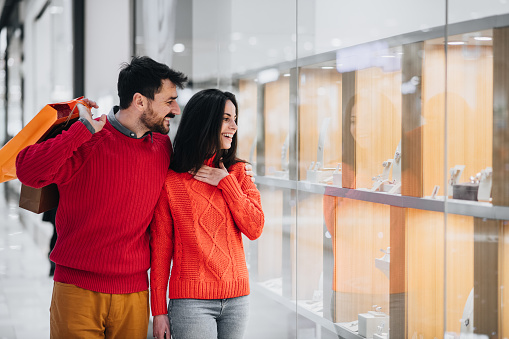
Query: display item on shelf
point(455, 172)
point(369, 322)
point(396, 164)
point(316, 173)
point(465, 191)
point(382, 182)
point(352, 326)
point(467, 319)
point(435, 192)
point(383, 179)
point(485, 184)
point(481, 182)
point(383, 263)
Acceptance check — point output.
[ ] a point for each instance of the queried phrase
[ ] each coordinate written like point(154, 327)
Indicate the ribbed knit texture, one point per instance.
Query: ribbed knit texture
point(109, 185)
point(199, 227)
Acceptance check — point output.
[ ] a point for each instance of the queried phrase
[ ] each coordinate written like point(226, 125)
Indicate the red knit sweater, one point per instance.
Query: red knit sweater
point(199, 227)
point(109, 185)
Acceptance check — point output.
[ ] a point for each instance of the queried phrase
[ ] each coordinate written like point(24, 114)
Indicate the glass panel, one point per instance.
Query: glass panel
point(54, 63)
point(3, 113)
point(14, 84)
point(221, 44)
point(476, 162)
point(370, 132)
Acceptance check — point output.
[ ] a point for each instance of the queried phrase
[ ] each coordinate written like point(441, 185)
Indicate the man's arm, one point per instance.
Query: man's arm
point(56, 159)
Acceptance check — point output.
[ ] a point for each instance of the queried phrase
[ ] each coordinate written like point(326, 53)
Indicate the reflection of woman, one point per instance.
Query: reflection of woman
point(197, 227)
point(364, 130)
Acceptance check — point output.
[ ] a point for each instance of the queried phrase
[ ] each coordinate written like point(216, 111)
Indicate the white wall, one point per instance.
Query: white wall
point(107, 45)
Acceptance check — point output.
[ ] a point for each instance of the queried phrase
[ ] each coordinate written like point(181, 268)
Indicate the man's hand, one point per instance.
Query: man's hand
point(87, 114)
point(161, 326)
point(249, 172)
point(211, 175)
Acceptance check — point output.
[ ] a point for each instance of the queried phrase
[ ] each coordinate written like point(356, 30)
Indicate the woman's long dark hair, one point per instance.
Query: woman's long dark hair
point(198, 137)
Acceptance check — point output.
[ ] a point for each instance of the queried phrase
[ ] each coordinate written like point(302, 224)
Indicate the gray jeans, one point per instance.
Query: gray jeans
point(206, 319)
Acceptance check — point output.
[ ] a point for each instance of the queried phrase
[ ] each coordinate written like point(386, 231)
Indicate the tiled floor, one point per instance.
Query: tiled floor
point(25, 287)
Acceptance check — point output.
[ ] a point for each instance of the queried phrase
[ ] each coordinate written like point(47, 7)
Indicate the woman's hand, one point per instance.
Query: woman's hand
point(249, 172)
point(211, 175)
point(161, 328)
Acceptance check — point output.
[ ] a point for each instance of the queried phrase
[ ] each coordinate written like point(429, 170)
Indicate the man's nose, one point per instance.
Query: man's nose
point(176, 108)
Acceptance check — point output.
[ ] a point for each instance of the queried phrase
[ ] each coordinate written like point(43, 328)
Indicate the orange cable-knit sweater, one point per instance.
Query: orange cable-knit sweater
point(199, 227)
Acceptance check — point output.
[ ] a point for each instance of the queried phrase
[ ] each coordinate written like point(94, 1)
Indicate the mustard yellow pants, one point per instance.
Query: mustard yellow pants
point(79, 313)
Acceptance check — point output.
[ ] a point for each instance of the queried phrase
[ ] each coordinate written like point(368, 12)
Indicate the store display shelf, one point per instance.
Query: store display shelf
point(453, 206)
point(276, 182)
point(294, 306)
point(343, 331)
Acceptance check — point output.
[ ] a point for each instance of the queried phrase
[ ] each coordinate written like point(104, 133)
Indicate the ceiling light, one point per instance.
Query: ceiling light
point(483, 38)
point(179, 48)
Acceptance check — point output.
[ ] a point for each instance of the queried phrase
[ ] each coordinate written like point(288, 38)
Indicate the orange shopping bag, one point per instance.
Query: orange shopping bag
point(49, 122)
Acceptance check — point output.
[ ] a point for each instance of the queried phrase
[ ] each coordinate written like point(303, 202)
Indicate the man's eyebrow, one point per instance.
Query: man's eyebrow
point(173, 98)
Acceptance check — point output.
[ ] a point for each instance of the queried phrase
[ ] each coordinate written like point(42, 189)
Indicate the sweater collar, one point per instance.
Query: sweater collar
point(121, 128)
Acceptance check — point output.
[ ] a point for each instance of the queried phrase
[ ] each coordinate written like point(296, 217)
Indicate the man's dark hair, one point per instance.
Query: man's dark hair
point(144, 75)
point(198, 137)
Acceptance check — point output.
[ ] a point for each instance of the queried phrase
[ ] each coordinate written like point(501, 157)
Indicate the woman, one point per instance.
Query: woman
point(198, 225)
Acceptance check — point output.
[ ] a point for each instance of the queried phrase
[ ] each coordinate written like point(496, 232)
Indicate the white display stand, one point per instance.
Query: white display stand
point(383, 263)
point(316, 173)
point(485, 184)
point(455, 173)
point(373, 322)
point(467, 319)
point(382, 182)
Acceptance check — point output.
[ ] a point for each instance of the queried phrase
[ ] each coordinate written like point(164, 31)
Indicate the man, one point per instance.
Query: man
point(109, 173)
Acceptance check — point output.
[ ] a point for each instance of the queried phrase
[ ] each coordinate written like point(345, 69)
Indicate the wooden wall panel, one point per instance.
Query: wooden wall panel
point(377, 121)
point(246, 133)
point(486, 277)
point(362, 230)
point(459, 277)
point(276, 115)
point(309, 245)
point(398, 272)
point(425, 260)
point(412, 134)
point(469, 112)
point(500, 190)
point(319, 98)
point(503, 265)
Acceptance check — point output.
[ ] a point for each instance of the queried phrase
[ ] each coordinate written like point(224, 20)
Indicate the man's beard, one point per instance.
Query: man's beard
point(151, 122)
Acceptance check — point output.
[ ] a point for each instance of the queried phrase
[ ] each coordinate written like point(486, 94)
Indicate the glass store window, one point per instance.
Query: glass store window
point(379, 140)
point(52, 30)
point(14, 82)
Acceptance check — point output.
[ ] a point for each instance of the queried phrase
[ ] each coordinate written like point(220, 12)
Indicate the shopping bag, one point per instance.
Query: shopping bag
point(48, 123)
point(38, 200)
